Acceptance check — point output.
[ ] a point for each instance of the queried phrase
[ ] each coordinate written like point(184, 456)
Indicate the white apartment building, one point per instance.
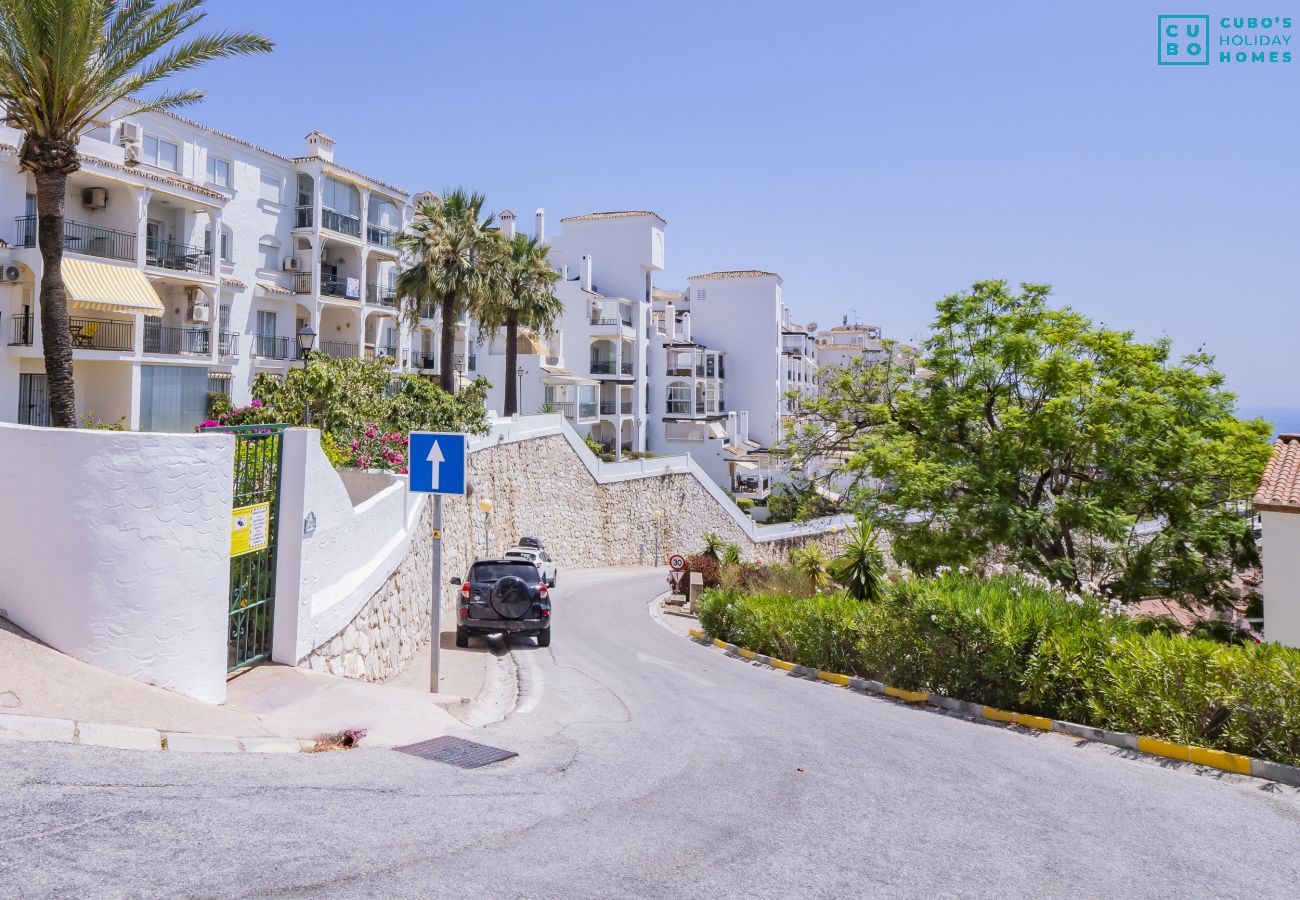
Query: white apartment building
point(194, 260)
point(844, 345)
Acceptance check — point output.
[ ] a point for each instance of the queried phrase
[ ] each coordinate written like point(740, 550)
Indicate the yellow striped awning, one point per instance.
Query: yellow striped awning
point(120, 289)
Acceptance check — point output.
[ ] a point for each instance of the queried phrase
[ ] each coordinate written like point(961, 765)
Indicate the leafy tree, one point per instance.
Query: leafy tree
point(522, 294)
point(861, 567)
point(450, 246)
point(1036, 435)
point(63, 63)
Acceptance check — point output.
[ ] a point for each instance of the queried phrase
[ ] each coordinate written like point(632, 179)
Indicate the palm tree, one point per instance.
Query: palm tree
point(523, 296)
point(63, 63)
point(449, 250)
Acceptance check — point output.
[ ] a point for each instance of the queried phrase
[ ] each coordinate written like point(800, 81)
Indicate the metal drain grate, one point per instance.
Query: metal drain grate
point(457, 752)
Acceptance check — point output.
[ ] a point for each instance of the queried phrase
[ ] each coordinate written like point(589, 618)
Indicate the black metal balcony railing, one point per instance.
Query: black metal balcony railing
point(330, 285)
point(80, 237)
point(101, 334)
point(565, 408)
point(178, 339)
point(21, 332)
point(341, 222)
point(603, 367)
point(381, 295)
point(608, 407)
point(302, 217)
point(177, 256)
point(268, 346)
point(228, 343)
point(338, 349)
point(381, 236)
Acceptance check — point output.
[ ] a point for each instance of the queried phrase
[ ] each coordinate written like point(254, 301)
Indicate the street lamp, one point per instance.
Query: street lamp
point(658, 515)
point(485, 505)
point(519, 394)
point(306, 340)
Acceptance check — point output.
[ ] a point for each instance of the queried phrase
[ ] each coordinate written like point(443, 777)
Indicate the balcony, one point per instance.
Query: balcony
point(680, 371)
point(338, 349)
point(679, 408)
point(381, 236)
point(268, 346)
point(330, 285)
point(343, 223)
point(424, 361)
point(609, 367)
point(176, 339)
point(566, 408)
point(587, 409)
point(381, 295)
point(608, 407)
point(101, 334)
point(228, 343)
point(302, 217)
point(21, 330)
point(177, 256)
point(78, 237)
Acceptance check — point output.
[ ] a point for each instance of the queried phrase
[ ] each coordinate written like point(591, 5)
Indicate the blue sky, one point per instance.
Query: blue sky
point(877, 155)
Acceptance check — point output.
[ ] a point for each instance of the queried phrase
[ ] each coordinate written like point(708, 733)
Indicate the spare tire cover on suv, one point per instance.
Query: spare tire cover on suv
point(511, 597)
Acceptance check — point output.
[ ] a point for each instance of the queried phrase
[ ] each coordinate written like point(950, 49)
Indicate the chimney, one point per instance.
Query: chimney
point(686, 326)
point(540, 229)
point(507, 220)
point(321, 146)
point(586, 273)
point(564, 272)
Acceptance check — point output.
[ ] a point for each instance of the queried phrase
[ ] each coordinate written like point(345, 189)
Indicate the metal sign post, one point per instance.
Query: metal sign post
point(437, 463)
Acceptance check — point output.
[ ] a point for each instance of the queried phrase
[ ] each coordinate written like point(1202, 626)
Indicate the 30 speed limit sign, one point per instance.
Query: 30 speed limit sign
point(677, 562)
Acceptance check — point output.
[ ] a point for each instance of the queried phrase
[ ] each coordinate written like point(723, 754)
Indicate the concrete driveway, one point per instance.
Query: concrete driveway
point(650, 767)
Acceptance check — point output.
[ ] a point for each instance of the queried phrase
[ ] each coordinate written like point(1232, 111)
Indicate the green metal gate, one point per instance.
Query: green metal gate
point(256, 506)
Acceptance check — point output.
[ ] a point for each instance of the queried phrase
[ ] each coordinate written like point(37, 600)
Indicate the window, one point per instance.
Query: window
point(227, 241)
point(160, 153)
point(218, 171)
point(341, 197)
point(265, 323)
point(384, 214)
point(268, 255)
point(271, 185)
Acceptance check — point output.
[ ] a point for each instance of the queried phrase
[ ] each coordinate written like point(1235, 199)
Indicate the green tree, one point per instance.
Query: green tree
point(63, 63)
point(450, 246)
point(1033, 434)
point(522, 295)
point(861, 567)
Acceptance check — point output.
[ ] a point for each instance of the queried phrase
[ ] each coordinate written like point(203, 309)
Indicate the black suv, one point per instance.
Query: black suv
point(503, 595)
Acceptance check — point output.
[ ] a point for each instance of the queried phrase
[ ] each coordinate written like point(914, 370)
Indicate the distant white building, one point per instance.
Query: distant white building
point(846, 345)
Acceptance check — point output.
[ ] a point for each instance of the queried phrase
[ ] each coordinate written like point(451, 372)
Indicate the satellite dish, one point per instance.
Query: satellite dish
point(812, 326)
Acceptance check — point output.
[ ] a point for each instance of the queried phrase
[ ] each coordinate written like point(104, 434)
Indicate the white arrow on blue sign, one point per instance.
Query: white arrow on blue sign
point(437, 462)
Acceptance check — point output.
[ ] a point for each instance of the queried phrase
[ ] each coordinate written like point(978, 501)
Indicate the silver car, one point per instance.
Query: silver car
point(540, 558)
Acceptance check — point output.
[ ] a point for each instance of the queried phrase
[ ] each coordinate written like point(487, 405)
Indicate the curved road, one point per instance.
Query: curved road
point(651, 767)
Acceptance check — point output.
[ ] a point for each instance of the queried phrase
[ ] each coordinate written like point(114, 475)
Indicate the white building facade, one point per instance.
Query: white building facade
point(193, 260)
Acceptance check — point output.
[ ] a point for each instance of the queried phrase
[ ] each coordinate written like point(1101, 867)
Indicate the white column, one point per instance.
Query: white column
point(291, 618)
point(133, 419)
point(142, 224)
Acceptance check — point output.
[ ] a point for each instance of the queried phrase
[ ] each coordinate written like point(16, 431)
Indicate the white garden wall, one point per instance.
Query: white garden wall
point(115, 549)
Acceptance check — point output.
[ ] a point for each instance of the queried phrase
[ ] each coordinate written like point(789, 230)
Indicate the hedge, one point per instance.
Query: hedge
point(1008, 643)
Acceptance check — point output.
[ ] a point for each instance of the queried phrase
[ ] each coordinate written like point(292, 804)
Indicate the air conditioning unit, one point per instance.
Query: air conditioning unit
point(291, 264)
point(199, 313)
point(11, 272)
point(94, 198)
point(129, 133)
point(131, 154)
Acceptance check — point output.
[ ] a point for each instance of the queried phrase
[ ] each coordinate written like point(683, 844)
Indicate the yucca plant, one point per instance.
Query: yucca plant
point(812, 564)
point(63, 64)
point(712, 546)
point(731, 555)
point(861, 567)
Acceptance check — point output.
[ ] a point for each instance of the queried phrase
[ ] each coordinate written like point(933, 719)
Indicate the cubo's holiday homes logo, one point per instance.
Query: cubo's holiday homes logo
point(1187, 41)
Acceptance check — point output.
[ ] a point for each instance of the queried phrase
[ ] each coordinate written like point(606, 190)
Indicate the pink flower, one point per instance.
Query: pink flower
point(210, 423)
point(256, 403)
point(371, 432)
point(401, 470)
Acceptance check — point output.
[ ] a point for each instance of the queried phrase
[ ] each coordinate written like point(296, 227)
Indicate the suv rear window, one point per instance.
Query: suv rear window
point(490, 572)
point(522, 554)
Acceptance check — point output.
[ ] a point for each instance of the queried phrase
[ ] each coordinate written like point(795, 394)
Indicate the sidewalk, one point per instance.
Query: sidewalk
point(264, 701)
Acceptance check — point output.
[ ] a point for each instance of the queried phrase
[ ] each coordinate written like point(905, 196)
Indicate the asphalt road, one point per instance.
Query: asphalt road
point(650, 767)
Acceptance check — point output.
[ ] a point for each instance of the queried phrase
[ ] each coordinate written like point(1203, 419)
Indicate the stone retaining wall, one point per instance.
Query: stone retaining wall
point(538, 487)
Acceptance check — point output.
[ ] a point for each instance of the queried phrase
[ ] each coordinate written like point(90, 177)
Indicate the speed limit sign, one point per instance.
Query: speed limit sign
point(677, 562)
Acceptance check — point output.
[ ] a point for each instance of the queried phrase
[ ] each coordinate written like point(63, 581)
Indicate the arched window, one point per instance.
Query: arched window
point(679, 400)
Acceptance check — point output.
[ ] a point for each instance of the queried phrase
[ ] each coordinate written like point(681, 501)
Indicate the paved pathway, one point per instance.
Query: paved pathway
point(650, 766)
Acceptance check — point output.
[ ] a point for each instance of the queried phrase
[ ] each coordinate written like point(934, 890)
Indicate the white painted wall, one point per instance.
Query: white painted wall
point(1281, 586)
point(115, 549)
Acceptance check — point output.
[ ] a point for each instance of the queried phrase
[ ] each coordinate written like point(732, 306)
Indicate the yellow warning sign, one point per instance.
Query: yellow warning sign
point(437, 534)
point(250, 528)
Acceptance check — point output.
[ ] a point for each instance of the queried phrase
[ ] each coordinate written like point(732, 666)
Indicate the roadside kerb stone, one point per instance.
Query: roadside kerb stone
point(275, 745)
point(201, 743)
point(36, 728)
point(1263, 768)
point(120, 737)
point(1100, 735)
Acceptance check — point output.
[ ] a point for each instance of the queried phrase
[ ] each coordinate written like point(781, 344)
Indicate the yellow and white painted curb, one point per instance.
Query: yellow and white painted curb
point(1216, 759)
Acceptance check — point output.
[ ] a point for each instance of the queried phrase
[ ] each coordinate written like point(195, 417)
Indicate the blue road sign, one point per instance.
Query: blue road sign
point(437, 462)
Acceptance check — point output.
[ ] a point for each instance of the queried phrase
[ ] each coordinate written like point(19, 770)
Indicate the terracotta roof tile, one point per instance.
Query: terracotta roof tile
point(614, 214)
point(738, 273)
point(1279, 489)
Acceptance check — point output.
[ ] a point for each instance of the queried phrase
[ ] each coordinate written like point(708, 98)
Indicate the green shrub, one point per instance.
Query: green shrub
point(745, 504)
point(1010, 642)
